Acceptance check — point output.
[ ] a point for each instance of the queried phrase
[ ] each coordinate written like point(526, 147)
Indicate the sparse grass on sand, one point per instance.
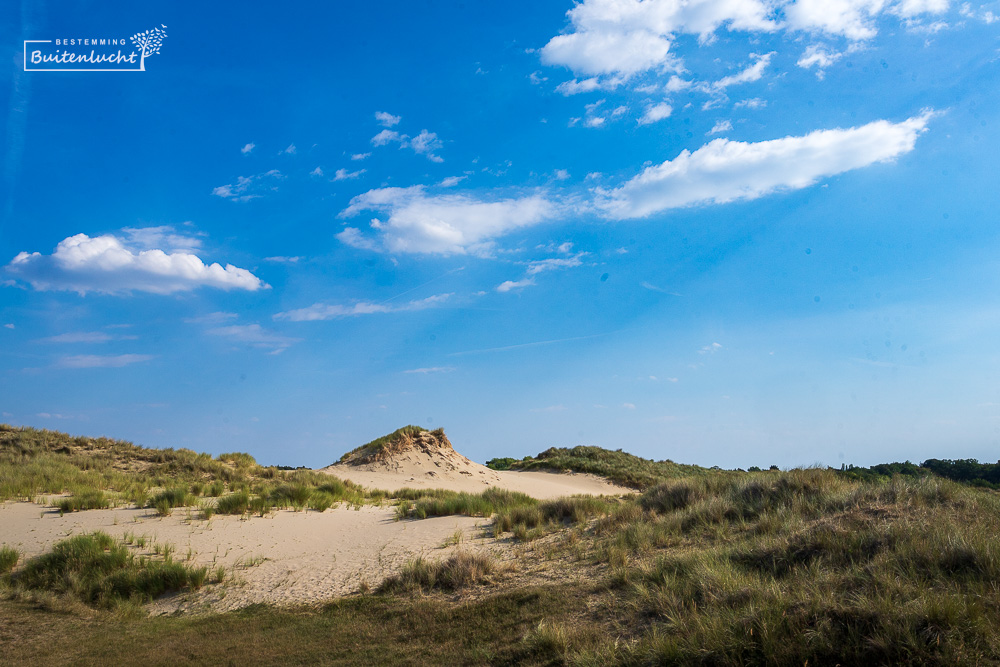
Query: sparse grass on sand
point(98, 570)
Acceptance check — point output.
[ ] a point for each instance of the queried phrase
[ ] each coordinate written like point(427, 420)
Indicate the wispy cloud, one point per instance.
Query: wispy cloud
point(508, 285)
point(326, 311)
point(101, 361)
point(249, 187)
point(248, 148)
point(344, 175)
point(255, 336)
point(432, 369)
point(85, 337)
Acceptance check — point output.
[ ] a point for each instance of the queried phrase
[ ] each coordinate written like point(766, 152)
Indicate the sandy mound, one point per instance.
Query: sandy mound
point(416, 458)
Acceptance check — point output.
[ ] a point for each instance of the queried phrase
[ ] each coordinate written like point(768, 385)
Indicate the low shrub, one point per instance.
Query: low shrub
point(234, 503)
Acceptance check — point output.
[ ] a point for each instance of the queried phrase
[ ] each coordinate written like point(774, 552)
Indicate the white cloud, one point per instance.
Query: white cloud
point(105, 264)
point(343, 174)
point(536, 267)
point(360, 156)
point(452, 181)
point(752, 103)
point(818, 56)
point(324, 311)
point(710, 349)
point(387, 119)
point(426, 143)
point(560, 174)
point(248, 148)
point(655, 113)
point(720, 126)
point(594, 121)
point(290, 150)
point(509, 285)
point(102, 361)
point(388, 136)
point(433, 369)
point(281, 259)
point(249, 187)
point(724, 171)
point(619, 39)
point(85, 337)
point(575, 87)
point(163, 237)
point(8, 326)
point(255, 336)
point(626, 37)
point(318, 171)
point(752, 73)
point(217, 317)
point(628, 406)
point(450, 223)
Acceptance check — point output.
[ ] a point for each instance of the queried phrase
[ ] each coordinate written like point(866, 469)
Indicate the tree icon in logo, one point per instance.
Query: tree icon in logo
point(148, 43)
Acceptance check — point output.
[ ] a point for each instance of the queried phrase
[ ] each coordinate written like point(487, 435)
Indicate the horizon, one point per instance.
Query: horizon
point(727, 234)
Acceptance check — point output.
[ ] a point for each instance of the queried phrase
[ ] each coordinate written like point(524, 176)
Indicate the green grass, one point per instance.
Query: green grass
point(460, 571)
point(234, 503)
point(617, 466)
point(371, 449)
point(88, 499)
point(101, 571)
point(8, 559)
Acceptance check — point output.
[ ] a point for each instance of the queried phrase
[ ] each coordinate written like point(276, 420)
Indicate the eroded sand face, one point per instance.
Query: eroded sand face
point(310, 557)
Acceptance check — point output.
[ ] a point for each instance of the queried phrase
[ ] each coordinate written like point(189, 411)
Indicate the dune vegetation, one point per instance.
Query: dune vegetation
point(805, 566)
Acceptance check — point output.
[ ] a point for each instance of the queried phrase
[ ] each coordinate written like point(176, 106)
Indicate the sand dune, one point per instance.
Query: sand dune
point(427, 460)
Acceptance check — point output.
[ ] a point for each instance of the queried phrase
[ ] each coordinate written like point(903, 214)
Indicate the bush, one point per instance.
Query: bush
point(93, 499)
point(234, 503)
point(8, 559)
point(320, 501)
point(460, 571)
point(101, 571)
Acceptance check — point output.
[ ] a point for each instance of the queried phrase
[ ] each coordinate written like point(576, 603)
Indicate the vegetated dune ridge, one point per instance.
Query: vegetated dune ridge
point(416, 458)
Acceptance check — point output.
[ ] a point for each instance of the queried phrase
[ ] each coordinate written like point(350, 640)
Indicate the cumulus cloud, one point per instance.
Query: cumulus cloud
point(101, 361)
point(819, 57)
point(387, 119)
point(443, 224)
point(387, 137)
point(624, 38)
point(655, 113)
point(255, 336)
point(426, 143)
point(107, 264)
point(360, 156)
point(327, 311)
point(616, 40)
point(724, 171)
point(248, 148)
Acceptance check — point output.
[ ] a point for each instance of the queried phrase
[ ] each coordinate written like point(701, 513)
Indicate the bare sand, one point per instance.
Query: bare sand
point(540, 485)
point(288, 558)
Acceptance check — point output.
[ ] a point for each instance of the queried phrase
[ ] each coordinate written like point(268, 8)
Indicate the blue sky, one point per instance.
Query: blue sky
point(723, 232)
